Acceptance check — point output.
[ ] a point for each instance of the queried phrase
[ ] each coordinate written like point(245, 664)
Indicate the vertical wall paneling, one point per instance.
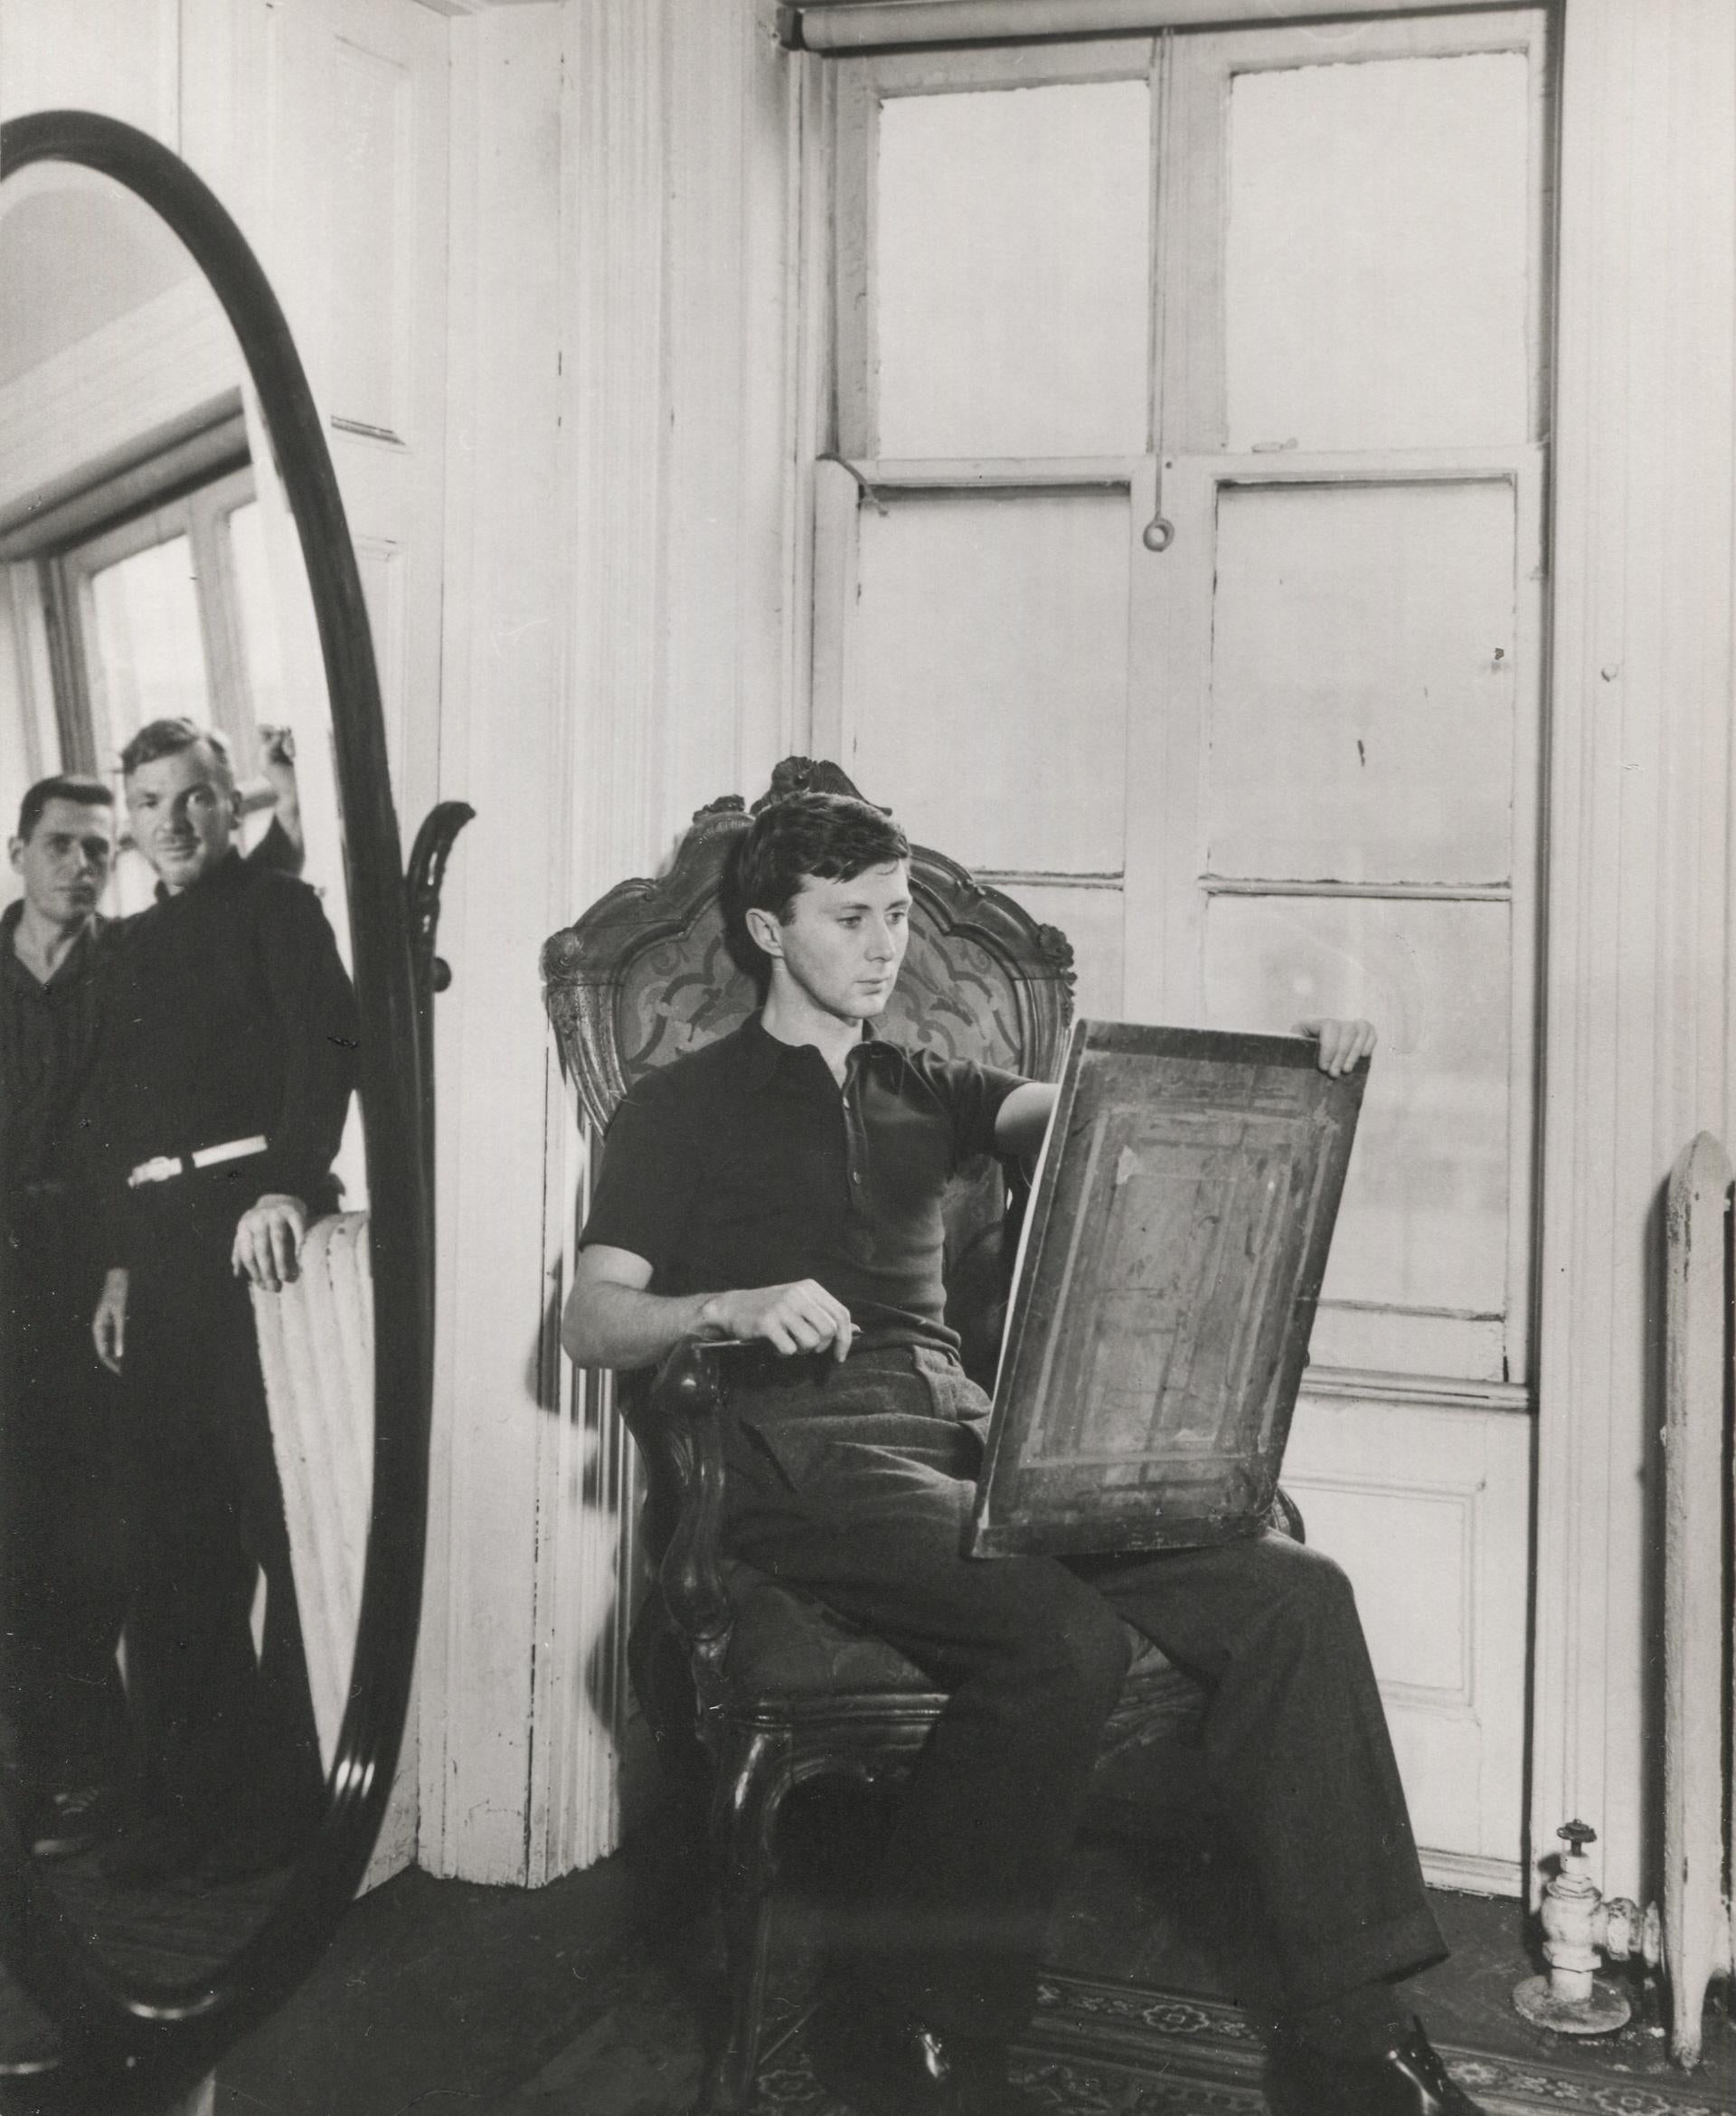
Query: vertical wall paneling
point(1640, 993)
point(360, 260)
point(374, 242)
point(329, 167)
point(616, 345)
point(493, 1627)
point(726, 354)
point(119, 57)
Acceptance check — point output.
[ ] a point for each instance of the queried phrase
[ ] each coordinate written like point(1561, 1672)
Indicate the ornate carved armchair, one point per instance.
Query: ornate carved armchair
point(746, 1684)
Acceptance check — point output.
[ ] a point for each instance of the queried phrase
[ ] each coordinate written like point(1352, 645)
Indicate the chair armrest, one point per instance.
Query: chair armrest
point(677, 1427)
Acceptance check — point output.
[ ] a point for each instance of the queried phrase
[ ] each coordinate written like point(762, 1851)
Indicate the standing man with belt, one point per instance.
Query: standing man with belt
point(783, 1185)
point(227, 1080)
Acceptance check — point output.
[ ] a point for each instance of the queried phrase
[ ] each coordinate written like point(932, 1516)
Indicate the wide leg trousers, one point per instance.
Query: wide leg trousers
point(226, 1736)
point(856, 1489)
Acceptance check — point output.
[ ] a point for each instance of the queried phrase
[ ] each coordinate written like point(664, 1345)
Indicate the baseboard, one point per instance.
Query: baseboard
point(1469, 1874)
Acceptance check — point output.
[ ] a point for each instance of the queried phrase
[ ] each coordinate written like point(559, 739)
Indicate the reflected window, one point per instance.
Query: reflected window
point(168, 613)
point(153, 584)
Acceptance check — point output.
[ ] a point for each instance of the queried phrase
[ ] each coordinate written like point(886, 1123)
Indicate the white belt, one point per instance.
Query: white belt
point(165, 1166)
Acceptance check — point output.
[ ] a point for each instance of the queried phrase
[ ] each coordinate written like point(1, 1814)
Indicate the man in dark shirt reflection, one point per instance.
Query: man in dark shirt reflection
point(226, 1081)
point(63, 1539)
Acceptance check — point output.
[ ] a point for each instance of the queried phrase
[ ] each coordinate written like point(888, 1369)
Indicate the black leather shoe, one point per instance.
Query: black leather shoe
point(879, 2064)
point(1407, 2079)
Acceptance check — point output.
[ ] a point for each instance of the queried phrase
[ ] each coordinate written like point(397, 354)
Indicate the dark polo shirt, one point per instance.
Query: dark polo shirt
point(232, 1017)
point(743, 1165)
point(49, 1042)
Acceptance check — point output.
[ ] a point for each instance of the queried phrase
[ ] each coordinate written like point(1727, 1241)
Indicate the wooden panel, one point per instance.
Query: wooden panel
point(1361, 719)
point(374, 263)
point(989, 662)
point(1394, 193)
point(1012, 271)
point(1425, 1510)
point(1175, 1248)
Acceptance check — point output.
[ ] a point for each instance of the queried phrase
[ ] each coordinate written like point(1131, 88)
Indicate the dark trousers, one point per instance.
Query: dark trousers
point(64, 1508)
point(225, 1735)
point(857, 1489)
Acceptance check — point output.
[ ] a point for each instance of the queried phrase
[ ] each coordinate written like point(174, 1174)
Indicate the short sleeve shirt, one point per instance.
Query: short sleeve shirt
point(744, 1164)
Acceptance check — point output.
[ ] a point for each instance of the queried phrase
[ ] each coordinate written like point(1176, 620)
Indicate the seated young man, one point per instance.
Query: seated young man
point(783, 1186)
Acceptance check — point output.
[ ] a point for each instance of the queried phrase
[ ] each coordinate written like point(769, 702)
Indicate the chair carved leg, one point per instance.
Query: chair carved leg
point(751, 1781)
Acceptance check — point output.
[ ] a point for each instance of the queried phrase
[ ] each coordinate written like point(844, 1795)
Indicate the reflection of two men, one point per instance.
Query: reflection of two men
point(198, 1084)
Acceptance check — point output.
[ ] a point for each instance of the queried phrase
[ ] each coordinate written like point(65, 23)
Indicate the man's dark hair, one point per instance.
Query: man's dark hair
point(64, 786)
point(832, 837)
point(168, 738)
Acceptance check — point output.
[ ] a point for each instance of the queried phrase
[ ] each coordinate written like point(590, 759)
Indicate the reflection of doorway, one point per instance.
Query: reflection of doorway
point(1181, 567)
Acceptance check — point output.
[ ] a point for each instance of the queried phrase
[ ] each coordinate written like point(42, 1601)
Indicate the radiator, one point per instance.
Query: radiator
point(1698, 1909)
point(316, 1349)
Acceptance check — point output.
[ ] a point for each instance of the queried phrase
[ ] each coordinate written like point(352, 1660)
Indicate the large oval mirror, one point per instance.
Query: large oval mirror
point(211, 1506)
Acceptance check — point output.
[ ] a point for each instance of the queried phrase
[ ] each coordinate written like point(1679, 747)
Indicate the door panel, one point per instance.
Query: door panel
point(997, 604)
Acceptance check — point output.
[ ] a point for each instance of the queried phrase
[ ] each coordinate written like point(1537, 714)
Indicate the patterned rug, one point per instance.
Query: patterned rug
point(1104, 2049)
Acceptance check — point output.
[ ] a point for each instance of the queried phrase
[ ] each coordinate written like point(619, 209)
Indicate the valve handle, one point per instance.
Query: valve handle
point(1578, 1834)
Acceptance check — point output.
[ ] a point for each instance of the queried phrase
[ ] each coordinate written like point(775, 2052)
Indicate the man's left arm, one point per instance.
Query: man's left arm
point(1024, 1117)
point(314, 1005)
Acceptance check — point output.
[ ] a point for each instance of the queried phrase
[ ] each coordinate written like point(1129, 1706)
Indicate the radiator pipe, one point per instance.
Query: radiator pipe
point(1578, 1924)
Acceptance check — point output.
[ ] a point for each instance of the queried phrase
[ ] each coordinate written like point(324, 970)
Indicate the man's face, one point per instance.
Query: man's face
point(183, 812)
point(844, 941)
point(64, 862)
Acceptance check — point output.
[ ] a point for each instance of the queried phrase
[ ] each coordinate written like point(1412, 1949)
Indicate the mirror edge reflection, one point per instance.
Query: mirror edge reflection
point(158, 2039)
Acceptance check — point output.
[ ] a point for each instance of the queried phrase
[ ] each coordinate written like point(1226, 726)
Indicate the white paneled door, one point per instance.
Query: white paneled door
point(1179, 566)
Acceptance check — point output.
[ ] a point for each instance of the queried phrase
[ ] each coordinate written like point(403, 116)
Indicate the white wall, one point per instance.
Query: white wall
point(616, 655)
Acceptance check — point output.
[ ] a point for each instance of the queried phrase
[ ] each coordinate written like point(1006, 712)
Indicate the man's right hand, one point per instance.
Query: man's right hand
point(109, 1325)
point(801, 1316)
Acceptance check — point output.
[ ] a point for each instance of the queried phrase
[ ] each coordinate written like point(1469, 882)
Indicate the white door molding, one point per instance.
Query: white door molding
point(1639, 992)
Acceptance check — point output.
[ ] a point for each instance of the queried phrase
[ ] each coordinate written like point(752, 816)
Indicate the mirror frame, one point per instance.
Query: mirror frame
point(153, 2041)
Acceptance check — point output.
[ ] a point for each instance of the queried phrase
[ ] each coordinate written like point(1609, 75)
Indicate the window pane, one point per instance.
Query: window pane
point(260, 644)
point(1093, 920)
point(989, 697)
point(1376, 268)
point(1424, 1218)
point(1011, 274)
point(1363, 684)
point(151, 658)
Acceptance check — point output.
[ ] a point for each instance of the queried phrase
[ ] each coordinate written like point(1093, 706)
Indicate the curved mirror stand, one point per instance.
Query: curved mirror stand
point(206, 1661)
